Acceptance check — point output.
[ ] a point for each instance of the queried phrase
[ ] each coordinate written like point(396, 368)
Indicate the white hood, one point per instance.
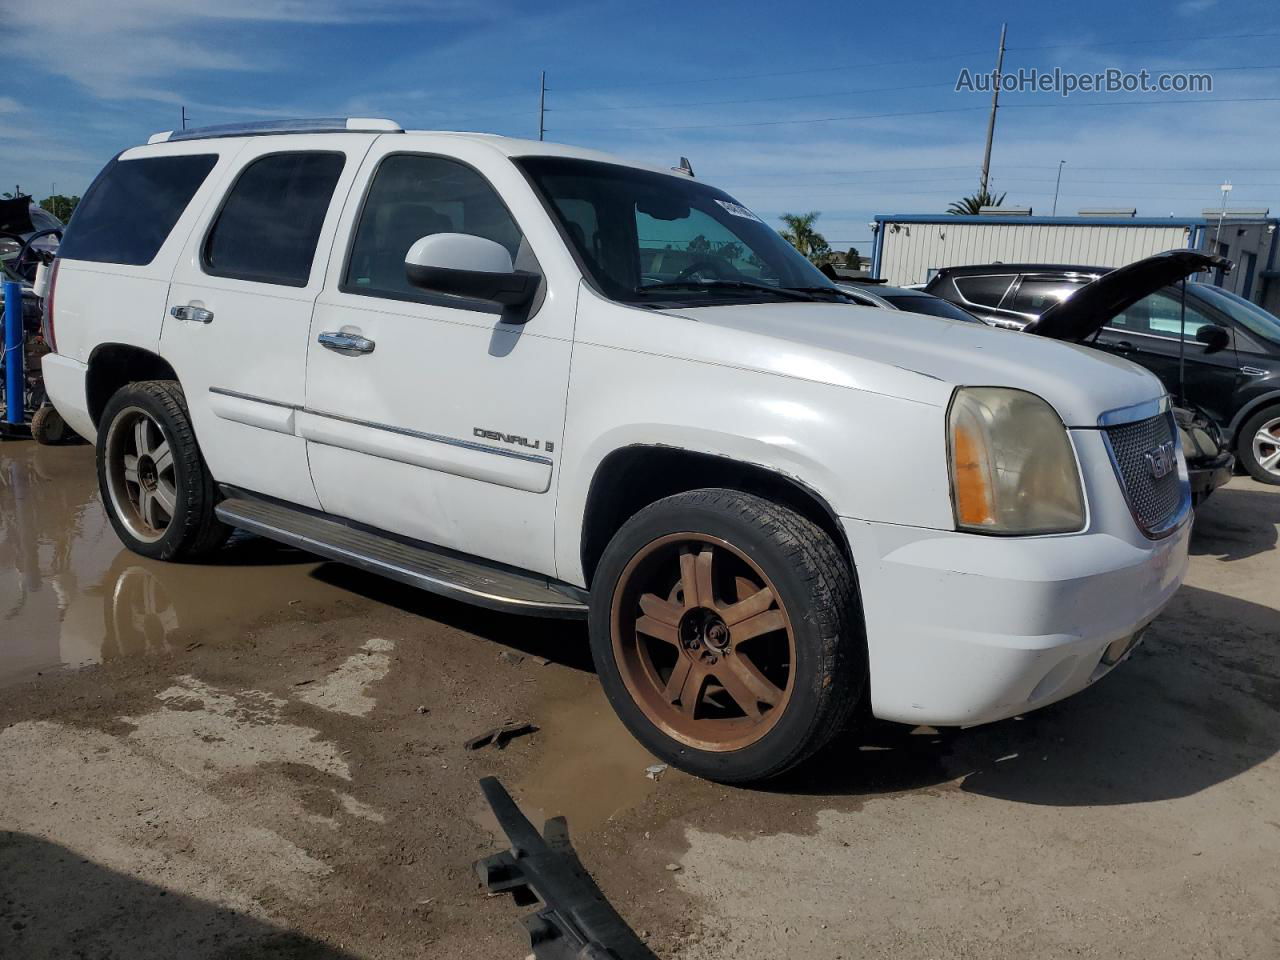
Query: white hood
point(843, 342)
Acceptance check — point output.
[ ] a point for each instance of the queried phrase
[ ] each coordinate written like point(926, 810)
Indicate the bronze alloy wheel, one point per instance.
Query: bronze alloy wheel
point(140, 474)
point(702, 642)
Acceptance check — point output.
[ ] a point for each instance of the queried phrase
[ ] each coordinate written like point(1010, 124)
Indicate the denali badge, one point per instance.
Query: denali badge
point(1161, 461)
point(511, 438)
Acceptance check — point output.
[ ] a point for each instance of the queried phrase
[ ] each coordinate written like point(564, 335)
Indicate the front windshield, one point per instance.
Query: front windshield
point(1251, 316)
point(650, 238)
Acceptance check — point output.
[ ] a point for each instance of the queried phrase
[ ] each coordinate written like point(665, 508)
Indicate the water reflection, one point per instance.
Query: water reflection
point(70, 594)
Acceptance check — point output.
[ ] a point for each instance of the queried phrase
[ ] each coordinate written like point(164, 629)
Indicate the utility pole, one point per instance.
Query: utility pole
point(1226, 189)
point(995, 103)
point(542, 106)
point(184, 118)
point(1056, 187)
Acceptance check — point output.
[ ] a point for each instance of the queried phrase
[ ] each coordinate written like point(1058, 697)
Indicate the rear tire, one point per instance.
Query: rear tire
point(1258, 448)
point(727, 635)
point(156, 488)
point(47, 426)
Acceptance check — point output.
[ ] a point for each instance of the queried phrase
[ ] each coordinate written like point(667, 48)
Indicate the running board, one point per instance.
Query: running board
point(421, 565)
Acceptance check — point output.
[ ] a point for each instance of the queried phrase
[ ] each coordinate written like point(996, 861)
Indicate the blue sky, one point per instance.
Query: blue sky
point(725, 84)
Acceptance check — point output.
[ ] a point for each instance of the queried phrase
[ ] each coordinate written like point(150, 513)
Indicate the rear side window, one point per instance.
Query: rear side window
point(128, 212)
point(270, 222)
point(984, 290)
point(1037, 296)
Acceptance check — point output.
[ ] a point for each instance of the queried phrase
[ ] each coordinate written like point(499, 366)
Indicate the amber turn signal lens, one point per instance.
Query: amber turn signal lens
point(973, 495)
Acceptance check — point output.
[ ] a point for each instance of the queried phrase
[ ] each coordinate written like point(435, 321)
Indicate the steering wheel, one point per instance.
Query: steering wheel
point(21, 267)
point(716, 266)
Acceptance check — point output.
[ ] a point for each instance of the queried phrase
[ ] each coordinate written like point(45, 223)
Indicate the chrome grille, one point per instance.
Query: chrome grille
point(1156, 502)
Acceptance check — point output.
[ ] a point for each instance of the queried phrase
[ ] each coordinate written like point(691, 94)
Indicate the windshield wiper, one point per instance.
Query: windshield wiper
point(831, 291)
point(787, 293)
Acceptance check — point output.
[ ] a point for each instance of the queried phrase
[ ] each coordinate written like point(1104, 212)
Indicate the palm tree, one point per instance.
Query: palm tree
point(801, 235)
point(974, 204)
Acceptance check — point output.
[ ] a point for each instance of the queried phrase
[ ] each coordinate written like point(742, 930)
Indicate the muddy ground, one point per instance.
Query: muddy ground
point(263, 758)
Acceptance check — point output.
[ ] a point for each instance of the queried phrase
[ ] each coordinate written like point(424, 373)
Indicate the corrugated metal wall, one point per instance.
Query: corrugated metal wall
point(911, 250)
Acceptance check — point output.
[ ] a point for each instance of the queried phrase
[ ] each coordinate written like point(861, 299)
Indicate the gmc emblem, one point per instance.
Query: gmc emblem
point(1161, 461)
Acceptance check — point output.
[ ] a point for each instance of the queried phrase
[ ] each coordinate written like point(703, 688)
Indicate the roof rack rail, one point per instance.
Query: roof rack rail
point(260, 128)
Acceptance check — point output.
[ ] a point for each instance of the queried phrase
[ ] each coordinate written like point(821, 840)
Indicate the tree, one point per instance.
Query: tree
point(974, 204)
point(60, 205)
point(852, 259)
point(801, 235)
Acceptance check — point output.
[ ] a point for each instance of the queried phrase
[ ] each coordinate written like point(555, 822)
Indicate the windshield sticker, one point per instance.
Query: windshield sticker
point(738, 210)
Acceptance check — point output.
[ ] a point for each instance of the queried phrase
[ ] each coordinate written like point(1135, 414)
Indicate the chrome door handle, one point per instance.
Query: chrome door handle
point(190, 312)
point(346, 342)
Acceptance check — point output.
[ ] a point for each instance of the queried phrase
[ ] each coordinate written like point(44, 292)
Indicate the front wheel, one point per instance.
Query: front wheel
point(726, 633)
point(158, 492)
point(1259, 447)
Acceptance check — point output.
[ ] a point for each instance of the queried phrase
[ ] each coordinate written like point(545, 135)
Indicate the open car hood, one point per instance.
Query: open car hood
point(1087, 310)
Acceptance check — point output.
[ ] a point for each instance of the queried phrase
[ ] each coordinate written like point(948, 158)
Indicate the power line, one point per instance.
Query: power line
point(921, 113)
point(716, 103)
point(779, 73)
point(1200, 38)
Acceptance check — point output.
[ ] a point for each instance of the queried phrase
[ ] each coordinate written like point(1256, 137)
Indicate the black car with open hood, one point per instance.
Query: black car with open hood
point(1217, 353)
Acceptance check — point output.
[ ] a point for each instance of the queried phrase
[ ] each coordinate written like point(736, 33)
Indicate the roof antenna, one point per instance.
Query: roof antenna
point(684, 168)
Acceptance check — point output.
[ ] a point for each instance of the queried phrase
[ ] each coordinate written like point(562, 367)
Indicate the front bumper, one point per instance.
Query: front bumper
point(965, 629)
point(1207, 475)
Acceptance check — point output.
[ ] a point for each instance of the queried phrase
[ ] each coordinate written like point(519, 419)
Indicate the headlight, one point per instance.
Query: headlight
point(1012, 467)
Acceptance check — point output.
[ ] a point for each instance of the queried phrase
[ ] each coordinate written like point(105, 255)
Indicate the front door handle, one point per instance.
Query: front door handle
point(190, 311)
point(1124, 345)
point(346, 342)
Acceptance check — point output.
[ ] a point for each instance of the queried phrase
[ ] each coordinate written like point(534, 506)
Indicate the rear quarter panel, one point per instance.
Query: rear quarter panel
point(99, 303)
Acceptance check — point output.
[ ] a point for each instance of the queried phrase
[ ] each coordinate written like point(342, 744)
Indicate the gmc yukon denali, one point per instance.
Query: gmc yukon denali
point(543, 380)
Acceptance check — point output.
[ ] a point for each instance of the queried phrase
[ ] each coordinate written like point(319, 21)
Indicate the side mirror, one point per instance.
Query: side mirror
point(463, 265)
point(1214, 337)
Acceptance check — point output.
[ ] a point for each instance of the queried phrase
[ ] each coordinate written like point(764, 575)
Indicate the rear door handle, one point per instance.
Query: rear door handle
point(190, 311)
point(346, 342)
point(1123, 345)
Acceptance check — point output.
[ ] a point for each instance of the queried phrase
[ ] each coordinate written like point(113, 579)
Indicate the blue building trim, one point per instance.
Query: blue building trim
point(875, 252)
point(1186, 222)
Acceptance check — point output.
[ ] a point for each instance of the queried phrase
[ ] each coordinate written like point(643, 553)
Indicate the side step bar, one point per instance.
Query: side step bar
point(435, 569)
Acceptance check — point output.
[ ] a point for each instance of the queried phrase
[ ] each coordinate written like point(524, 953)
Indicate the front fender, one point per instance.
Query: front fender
point(867, 455)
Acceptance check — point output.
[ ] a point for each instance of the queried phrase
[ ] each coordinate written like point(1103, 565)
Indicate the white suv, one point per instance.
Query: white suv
point(539, 379)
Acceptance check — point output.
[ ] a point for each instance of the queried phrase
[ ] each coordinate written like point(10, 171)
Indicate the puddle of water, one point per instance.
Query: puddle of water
point(70, 594)
point(588, 767)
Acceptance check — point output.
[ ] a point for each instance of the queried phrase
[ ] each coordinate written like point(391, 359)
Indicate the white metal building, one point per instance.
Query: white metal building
point(909, 248)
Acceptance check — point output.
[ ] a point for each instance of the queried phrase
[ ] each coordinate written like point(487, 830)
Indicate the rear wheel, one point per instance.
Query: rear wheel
point(726, 634)
point(156, 488)
point(1259, 446)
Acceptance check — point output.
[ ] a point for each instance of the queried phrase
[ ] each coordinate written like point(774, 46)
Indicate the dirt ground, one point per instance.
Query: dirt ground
point(263, 758)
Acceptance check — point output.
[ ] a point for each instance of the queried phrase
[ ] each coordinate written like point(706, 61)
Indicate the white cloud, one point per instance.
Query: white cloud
point(135, 49)
point(1189, 8)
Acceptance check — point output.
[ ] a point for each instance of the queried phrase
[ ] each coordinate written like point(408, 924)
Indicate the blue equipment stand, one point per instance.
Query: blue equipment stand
point(15, 413)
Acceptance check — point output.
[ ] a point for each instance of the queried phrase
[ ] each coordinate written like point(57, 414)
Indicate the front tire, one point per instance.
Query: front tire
point(1259, 445)
point(155, 486)
point(726, 633)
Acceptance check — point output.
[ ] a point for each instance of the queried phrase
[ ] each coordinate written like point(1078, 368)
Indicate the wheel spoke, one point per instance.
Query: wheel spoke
point(141, 436)
point(146, 506)
point(664, 611)
point(657, 629)
point(756, 626)
point(163, 457)
point(689, 579)
point(1270, 462)
point(749, 607)
point(747, 685)
point(685, 685)
point(166, 495)
point(702, 572)
point(131, 468)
